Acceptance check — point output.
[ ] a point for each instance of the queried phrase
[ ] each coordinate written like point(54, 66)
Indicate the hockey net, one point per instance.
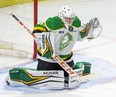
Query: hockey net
point(14, 39)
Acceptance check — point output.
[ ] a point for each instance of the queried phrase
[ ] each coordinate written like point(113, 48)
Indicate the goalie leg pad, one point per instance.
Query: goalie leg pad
point(52, 79)
point(73, 82)
point(83, 68)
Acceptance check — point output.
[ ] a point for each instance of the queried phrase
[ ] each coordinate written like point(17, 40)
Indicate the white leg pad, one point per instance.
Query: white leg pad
point(73, 82)
point(50, 79)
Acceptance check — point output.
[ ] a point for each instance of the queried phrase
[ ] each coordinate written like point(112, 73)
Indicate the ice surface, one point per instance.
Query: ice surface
point(106, 69)
point(100, 52)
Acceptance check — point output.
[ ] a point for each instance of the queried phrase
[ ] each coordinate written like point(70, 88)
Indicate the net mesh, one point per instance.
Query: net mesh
point(11, 32)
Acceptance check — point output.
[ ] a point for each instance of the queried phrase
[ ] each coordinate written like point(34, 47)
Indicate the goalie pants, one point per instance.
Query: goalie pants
point(44, 65)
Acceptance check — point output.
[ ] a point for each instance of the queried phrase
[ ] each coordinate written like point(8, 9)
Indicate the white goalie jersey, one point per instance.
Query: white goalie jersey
point(61, 41)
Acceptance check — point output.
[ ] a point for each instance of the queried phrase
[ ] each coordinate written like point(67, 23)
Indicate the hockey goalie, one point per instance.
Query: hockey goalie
point(55, 39)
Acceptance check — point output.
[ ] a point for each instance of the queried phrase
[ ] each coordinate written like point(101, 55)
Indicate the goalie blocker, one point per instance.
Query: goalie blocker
point(50, 79)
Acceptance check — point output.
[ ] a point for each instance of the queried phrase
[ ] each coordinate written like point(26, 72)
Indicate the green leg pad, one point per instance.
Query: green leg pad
point(19, 74)
point(87, 67)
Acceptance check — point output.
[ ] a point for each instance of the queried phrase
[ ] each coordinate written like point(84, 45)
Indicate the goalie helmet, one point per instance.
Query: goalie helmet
point(66, 13)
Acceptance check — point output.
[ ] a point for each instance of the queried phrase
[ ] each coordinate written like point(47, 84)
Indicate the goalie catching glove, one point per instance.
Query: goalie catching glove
point(93, 28)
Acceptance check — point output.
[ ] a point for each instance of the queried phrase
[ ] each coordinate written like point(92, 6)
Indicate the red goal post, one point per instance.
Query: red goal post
point(14, 40)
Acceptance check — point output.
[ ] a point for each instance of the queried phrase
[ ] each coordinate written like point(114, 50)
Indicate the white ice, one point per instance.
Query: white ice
point(100, 52)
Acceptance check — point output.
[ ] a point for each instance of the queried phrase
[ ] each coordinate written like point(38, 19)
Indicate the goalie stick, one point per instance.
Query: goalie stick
point(30, 32)
point(57, 58)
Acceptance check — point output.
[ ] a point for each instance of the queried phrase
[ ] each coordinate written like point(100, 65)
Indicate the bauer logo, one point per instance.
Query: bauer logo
point(50, 73)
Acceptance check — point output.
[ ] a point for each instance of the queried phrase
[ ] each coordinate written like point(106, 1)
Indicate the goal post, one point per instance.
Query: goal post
point(35, 22)
point(14, 39)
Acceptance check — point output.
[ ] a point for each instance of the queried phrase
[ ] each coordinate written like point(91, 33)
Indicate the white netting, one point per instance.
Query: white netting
point(12, 34)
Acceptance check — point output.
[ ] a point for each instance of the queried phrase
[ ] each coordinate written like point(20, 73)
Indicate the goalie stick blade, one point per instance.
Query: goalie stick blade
point(90, 77)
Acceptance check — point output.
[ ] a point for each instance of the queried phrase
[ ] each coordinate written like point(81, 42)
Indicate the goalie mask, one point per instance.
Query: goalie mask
point(67, 15)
